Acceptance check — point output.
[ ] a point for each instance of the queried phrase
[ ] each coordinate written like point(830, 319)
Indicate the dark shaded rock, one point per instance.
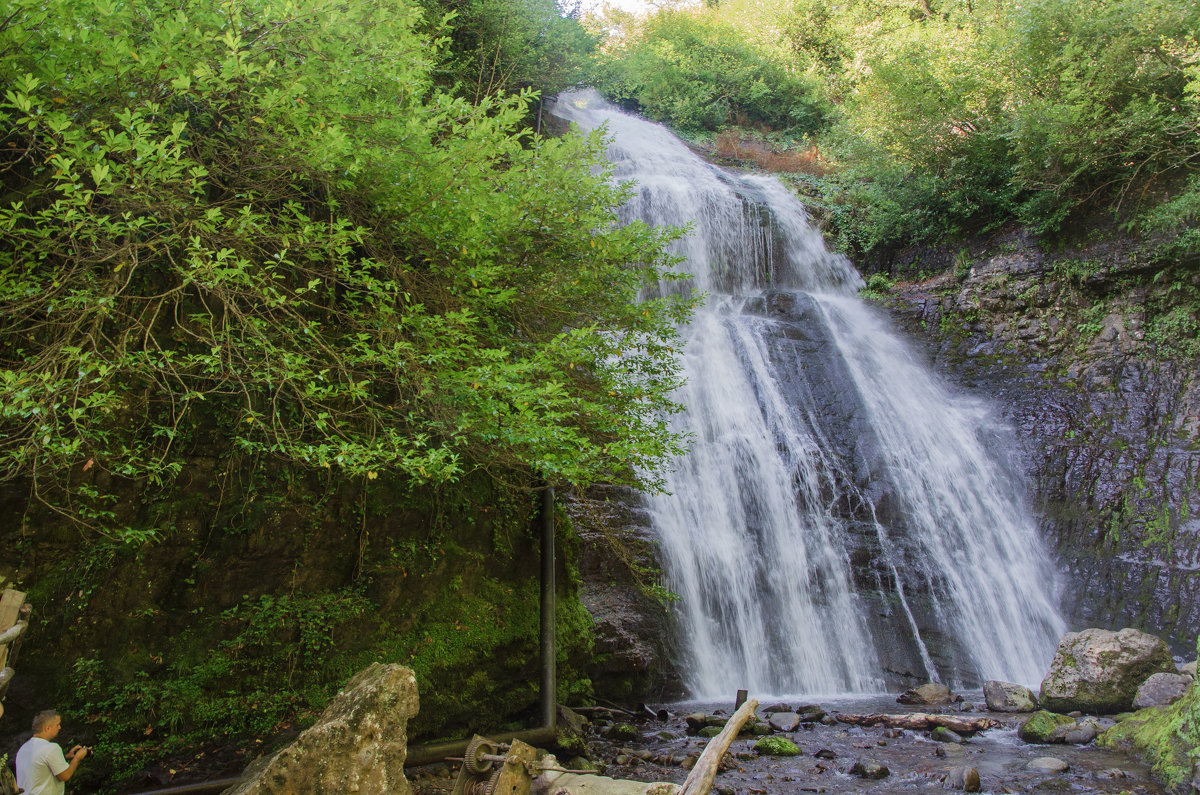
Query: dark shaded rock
point(623, 732)
point(810, 713)
point(1108, 427)
point(1099, 671)
point(570, 739)
point(944, 735)
point(358, 745)
point(825, 753)
point(695, 722)
point(1009, 697)
point(1081, 734)
point(775, 708)
point(870, 769)
point(965, 779)
point(632, 659)
point(1161, 690)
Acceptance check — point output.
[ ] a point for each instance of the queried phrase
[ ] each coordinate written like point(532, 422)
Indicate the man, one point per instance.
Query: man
point(41, 767)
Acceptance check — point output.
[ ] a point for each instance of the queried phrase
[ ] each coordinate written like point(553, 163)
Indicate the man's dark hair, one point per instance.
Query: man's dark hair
point(43, 719)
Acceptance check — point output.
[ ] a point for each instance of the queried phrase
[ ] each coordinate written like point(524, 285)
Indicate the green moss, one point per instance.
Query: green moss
point(1167, 737)
point(1040, 724)
point(776, 746)
point(624, 732)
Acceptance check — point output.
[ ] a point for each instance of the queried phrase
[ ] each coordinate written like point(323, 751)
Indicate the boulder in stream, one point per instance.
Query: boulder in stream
point(932, 694)
point(784, 721)
point(1008, 697)
point(1041, 727)
point(1100, 671)
point(965, 779)
point(869, 768)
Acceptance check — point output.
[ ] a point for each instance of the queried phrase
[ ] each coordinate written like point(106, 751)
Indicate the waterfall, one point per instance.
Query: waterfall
point(843, 522)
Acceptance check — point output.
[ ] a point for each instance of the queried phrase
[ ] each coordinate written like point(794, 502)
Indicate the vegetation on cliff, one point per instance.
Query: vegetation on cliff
point(939, 117)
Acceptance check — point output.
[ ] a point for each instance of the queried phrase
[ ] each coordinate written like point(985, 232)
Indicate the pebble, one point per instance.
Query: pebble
point(963, 778)
point(869, 768)
point(1048, 764)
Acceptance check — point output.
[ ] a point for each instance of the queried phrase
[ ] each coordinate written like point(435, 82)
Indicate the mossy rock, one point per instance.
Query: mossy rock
point(1166, 737)
point(776, 746)
point(624, 732)
point(1041, 725)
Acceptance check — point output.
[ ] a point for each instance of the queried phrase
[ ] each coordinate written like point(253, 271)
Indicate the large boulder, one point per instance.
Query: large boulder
point(357, 746)
point(1100, 671)
point(1008, 697)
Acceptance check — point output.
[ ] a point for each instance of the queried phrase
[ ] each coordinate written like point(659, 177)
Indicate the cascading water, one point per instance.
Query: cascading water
point(839, 525)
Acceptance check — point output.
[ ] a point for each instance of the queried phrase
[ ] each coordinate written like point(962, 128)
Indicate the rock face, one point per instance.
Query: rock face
point(357, 747)
point(1100, 671)
point(1067, 346)
point(1161, 690)
point(1008, 697)
point(632, 656)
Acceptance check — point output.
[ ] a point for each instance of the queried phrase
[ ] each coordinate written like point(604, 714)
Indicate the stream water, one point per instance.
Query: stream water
point(844, 523)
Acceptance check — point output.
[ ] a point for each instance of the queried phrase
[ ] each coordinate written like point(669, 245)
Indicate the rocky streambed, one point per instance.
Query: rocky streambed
point(836, 756)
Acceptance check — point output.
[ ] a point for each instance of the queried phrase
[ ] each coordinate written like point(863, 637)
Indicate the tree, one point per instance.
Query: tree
point(260, 226)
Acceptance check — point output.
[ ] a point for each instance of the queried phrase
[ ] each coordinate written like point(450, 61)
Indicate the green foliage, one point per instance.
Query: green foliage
point(960, 117)
point(694, 70)
point(263, 225)
point(481, 646)
point(878, 287)
point(273, 669)
point(503, 46)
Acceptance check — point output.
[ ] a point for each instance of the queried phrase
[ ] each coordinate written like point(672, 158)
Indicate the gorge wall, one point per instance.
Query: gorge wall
point(1091, 355)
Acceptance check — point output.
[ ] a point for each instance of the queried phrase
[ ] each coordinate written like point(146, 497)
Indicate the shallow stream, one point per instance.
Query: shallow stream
point(915, 761)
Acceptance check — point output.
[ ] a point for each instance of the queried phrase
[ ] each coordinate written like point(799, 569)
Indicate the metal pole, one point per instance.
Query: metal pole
point(549, 667)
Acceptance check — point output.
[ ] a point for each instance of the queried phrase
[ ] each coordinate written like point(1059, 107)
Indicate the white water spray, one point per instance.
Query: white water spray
point(838, 525)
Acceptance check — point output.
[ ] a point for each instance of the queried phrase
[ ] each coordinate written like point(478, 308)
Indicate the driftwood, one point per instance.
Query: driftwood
point(700, 780)
point(921, 720)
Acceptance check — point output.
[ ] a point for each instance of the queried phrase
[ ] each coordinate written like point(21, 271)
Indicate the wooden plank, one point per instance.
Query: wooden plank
point(10, 607)
point(700, 780)
point(10, 610)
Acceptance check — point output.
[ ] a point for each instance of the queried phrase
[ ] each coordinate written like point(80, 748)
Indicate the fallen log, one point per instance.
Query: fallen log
point(700, 780)
point(921, 720)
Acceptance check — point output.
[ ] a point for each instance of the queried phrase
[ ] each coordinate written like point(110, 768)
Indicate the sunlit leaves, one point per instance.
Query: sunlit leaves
point(262, 224)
